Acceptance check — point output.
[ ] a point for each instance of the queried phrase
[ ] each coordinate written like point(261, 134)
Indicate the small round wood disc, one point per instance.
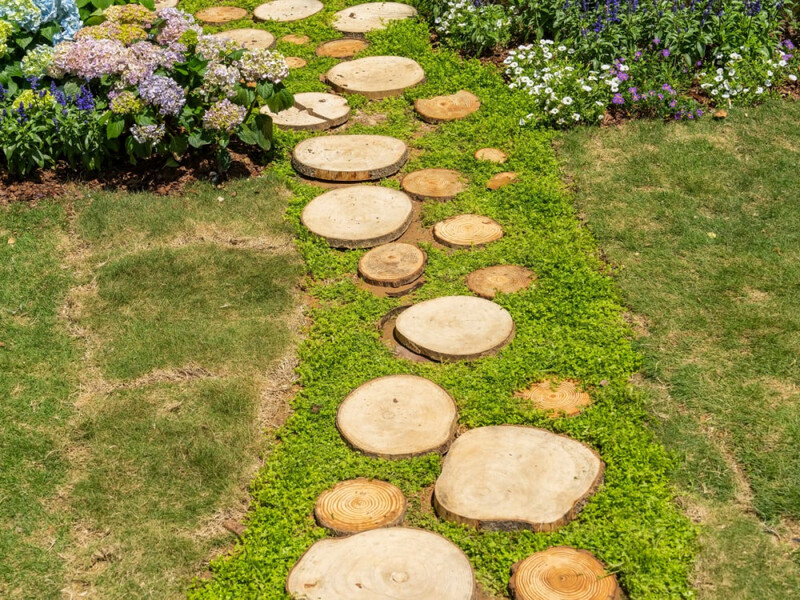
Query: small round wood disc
point(455, 328)
point(393, 563)
point(344, 48)
point(501, 180)
point(440, 109)
point(313, 111)
point(216, 15)
point(358, 505)
point(349, 158)
point(510, 477)
point(298, 40)
point(562, 573)
point(360, 216)
point(249, 38)
point(287, 10)
point(436, 184)
point(492, 155)
point(159, 4)
point(562, 397)
point(370, 17)
point(376, 77)
point(398, 416)
point(506, 279)
point(466, 231)
point(392, 265)
point(295, 62)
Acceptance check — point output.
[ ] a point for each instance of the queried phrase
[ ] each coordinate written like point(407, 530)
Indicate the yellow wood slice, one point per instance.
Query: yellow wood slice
point(558, 398)
point(435, 184)
point(298, 40)
point(372, 16)
point(248, 37)
point(344, 48)
point(217, 15)
point(506, 279)
point(358, 505)
point(466, 231)
point(501, 180)
point(447, 108)
point(287, 10)
point(491, 155)
point(376, 77)
point(349, 158)
point(295, 62)
point(392, 265)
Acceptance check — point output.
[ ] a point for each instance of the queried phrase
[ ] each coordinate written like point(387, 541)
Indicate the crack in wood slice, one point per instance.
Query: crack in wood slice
point(501, 180)
point(505, 279)
point(398, 416)
point(515, 477)
point(492, 155)
point(287, 10)
point(344, 48)
point(435, 184)
point(312, 111)
point(295, 62)
point(217, 15)
point(295, 39)
point(441, 109)
point(557, 398)
point(248, 37)
point(393, 563)
point(349, 158)
point(392, 265)
point(466, 231)
point(363, 18)
point(376, 77)
point(359, 505)
point(562, 573)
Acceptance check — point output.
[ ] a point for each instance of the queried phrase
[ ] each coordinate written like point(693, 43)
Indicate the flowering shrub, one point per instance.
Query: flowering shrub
point(474, 26)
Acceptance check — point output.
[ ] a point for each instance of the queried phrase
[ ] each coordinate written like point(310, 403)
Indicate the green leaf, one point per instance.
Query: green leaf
point(244, 97)
point(247, 135)
point(281, 100)
point(179, 144)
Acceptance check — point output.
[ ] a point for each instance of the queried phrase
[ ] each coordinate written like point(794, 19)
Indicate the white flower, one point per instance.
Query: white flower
point(759, 90)
point(599, 103)
point(586, 88)
point(605, 67)
point(576, 117)
point(567, 100)
point(718, 78)
point(792, 77)
point(553, 111)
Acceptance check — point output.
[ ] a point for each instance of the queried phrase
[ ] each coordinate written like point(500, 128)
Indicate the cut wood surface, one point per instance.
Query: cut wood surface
point(510, 477)
point(296, 39)
point(344, 48)
point(499, 278)
point(436, 184)
point(287, 10)
point(362, 18)
point(349, 158)
point(562, 573)
point(466, 231)
point(394, 563)
point(217, 15)
point(392, 265)
point(248, 38)
point(313, 111)
point(501, 180)
point(358, 216)
point(562, 397)
point(455, 328)
point(376, 77)
point(492, 155)
point(398, 416)
point(166, 4)
point(295, 62)
point(358, 505)
point(441, 109)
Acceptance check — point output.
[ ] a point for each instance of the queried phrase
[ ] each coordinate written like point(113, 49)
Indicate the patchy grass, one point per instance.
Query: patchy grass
point(703, 226)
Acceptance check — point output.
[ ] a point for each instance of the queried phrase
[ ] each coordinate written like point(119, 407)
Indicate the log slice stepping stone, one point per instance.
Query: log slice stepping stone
point(376, 77)
point(313, 111)
point(441, 109)
point(298, 40)
point(436, 184)
point(562, 573)
point(359, 216)
point(248, 37)
point(510, 477)
point(558, 398)
point(398, 416)
point(492, 155)
point(501, 180)
point(394, 563)
point(455, 328)
point(507, 279)
point(295, 62)
point(392, 265)
point(159, 4)
point(466, 231)
point(287, 10)
point(217, 15)
point(349, 158)
point(358, 505)
point(344, 48)
point(362, 18)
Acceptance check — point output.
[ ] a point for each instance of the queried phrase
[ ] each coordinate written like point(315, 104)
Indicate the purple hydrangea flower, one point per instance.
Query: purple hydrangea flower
point(164, 93)
point(224, 116)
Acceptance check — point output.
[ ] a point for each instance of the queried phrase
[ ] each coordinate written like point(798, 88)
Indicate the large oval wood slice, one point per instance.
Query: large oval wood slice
point(563, 573)
point(392, 265)
point(287, 10)
point(441, 109)
point(360, 216)
point(398, 416)
point(558, 398)
point(217, 15)
point(376, 77)
point(455, 328)
point(362, 18)
point(466, 231)
point(436, 184)
point(507, 279)
point(358, 505)
point(248, 37)
point(344, 48)
point(349, 158)
point(510, 477)
point(394, 563)
point(315, 111)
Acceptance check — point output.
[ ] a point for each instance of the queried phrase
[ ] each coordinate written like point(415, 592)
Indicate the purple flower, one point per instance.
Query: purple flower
point(665, 52)
point(656, 41)
point(164, 93)
point(84, 100)
point(699, 112)
point(673, 104)
point(618, 99)
point(224, 116)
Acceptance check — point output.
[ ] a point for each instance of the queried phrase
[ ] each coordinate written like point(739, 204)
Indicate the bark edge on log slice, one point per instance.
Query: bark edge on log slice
point(349, 158)
point(466, 231)
point(556, 397)
point(434, 184)
point(217, 15)
point(248, 37)
point(392, 265)
point(372, 16)
point(507, 279)
point(491, 155)
point(441, 109)
point(343, 48)
point(562, 573)
point(375, 77)
point(358, 505)
point(287, 10)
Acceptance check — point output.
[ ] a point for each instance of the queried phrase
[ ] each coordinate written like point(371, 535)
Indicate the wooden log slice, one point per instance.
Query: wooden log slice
point(436, 184)
point(501, 180)
point(295, 62)
point(558, 398)
point(217, 15)
point(562, 573)
point(314, 111)
point(392, 265)
point(455, 328)
point(344, 48)
point(376, 77)
point(248, 37)
point(159, 4)
point(358, 505)
point(510, 477)
point(362, 18)
point(466, 231)
point(298, 40)
point(506, 279)
point(349, 158)
point(398, 416)
point(492, 155)
point(441, 109)
point(360, 216)
point(287, 10)
point(394, 563)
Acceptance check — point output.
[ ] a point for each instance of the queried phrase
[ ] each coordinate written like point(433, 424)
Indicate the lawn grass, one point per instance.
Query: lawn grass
point(702, 224)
